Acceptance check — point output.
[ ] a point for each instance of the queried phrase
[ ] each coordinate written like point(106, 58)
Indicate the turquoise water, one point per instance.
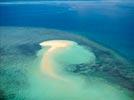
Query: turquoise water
point(108, 22)
point(98, 65)
point(94, 72)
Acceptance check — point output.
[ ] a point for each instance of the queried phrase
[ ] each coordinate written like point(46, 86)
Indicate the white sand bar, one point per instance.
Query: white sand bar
point(47, 64)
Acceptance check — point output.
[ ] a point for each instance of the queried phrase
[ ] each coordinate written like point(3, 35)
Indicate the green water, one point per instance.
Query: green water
point(78, 87)
point(83, 64)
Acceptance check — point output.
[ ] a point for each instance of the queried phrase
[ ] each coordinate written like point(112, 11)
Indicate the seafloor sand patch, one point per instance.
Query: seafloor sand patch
point(48, 62)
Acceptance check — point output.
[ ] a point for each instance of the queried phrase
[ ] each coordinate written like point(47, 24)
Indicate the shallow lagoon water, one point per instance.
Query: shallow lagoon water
point(93, 71)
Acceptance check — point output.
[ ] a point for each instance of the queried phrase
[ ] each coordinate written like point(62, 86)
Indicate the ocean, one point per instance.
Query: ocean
point(108, 23)
point(66, 50)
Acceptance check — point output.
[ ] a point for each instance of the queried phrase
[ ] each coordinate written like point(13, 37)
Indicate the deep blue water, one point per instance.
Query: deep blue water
point(111, 24)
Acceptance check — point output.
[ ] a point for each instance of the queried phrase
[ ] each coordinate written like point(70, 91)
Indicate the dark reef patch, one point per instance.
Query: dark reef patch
point(28, 49)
